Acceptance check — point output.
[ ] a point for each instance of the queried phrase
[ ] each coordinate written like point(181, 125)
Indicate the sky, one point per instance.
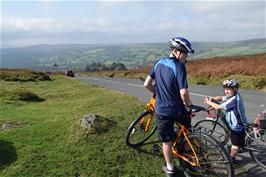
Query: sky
point(25, 23)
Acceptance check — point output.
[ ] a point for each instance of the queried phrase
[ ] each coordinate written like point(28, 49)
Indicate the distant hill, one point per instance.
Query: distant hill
point(237, 48)
point(77, 56)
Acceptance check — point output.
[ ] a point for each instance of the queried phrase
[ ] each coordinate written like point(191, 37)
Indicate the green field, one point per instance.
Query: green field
point(76, 57)
point(47, 140)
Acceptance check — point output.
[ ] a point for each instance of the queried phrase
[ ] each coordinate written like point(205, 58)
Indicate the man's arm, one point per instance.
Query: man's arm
point(185, 97)
point(148, 84)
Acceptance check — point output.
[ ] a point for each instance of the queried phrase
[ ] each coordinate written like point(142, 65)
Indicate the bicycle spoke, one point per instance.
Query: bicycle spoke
point(140, 129)
point(256, 146)
point(215, 129)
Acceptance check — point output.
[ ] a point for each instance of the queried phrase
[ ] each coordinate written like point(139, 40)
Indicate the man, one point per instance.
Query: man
point(171, 95)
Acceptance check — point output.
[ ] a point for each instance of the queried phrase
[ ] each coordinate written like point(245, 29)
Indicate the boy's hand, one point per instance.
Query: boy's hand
point(207, 100)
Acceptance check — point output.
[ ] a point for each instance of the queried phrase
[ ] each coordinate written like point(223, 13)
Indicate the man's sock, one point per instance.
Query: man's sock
point(170, 166)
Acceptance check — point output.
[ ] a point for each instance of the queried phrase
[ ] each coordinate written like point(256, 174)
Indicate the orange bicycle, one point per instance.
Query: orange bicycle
point(198, 153)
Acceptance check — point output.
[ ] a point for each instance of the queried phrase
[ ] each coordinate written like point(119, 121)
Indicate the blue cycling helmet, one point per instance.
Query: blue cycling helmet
point(231, 83)
point(181, 44)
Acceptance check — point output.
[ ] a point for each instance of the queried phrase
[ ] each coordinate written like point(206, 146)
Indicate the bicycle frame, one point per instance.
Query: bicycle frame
point(150, 106)
point(216, 117)
point(249, 130)
point(184, 132)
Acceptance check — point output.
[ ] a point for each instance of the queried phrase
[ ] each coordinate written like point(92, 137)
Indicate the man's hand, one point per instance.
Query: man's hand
point(189, 109)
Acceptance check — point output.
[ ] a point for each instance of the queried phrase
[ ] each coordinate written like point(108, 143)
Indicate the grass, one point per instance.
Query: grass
point(23, 76)
point(50, 141)
point(19, 94)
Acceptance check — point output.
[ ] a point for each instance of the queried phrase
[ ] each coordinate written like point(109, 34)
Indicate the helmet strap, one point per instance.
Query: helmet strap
point(235, 91)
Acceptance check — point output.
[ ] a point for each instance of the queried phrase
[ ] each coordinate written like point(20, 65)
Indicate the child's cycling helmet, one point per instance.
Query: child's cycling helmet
point(231, 83)
point(181, 44)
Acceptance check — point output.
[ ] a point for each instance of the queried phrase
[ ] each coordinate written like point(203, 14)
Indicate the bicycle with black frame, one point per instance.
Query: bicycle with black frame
point(216, 125)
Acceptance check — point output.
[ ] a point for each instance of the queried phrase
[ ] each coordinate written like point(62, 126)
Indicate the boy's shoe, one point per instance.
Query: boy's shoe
point(234, 161)
point(229, 149)
point(168, 173)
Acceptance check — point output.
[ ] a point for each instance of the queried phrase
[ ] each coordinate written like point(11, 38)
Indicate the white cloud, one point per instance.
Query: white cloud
point(16, 24)
point(137, 21)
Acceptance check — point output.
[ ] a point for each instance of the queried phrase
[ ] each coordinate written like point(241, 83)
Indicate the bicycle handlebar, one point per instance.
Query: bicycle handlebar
point(196, 108)
point(215, 101)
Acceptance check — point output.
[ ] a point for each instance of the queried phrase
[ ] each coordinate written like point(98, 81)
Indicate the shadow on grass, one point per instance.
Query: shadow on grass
point(154, 149)
point(8, 153)
point(37, 99)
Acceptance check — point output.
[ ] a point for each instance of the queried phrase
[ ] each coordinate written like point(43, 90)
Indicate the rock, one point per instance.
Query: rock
point(96, 124)
point(6, 126)
point(87, 121)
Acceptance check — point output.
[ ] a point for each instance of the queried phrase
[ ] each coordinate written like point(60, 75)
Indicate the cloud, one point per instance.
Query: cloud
point(134, 21)
point(17, 24)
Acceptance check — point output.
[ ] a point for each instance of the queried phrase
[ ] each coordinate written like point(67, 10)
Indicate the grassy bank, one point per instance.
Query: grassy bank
point(45, 138)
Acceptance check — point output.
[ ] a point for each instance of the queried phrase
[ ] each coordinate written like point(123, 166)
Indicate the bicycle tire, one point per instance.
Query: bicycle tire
point(218, 131)
point(257, 148)
point(135, 127)
point(213, 157)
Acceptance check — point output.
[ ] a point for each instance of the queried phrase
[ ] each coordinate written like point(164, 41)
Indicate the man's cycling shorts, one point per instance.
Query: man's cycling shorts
point(165, 125)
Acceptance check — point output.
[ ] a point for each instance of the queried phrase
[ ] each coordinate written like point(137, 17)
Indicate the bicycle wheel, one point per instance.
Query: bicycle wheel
point(257, 147)
point(214, 129)
point(213, 157)
point(136, 134)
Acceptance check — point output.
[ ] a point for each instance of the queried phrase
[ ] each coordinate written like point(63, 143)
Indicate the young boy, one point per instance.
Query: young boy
point(235, 114)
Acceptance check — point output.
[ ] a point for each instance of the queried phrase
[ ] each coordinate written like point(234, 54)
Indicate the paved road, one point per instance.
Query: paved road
point(255, 102)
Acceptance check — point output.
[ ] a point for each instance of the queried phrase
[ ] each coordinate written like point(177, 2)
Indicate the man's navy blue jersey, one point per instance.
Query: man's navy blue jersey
point(170, 76)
